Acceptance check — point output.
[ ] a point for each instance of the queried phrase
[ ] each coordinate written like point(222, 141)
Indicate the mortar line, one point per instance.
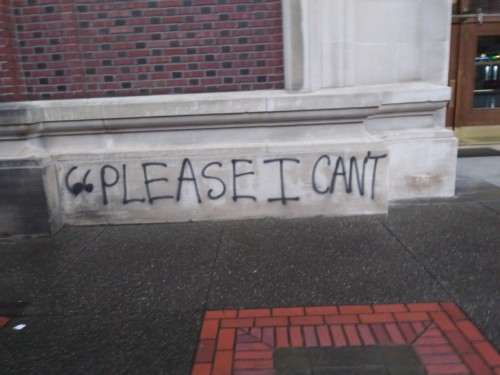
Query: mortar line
point(424, 331)
point(18, 56)
point(80, 50)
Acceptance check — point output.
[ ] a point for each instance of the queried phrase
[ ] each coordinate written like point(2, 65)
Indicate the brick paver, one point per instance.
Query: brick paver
point(241, 342)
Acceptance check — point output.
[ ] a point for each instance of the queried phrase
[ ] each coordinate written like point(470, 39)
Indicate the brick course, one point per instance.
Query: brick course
point(116, 48)
point(446, 341)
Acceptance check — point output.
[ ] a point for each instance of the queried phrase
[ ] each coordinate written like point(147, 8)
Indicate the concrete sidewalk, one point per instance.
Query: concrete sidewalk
point(131, 299)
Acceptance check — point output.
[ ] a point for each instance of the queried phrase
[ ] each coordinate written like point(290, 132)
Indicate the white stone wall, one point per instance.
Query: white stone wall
point(173, 188)
point(364, 43)
point(366, 84)
point(367, 42)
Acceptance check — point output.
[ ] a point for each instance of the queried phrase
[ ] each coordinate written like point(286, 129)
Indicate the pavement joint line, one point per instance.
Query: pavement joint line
point(444, 339)
point(489, 208)
point(418, 336)
point(54, 280)
point(214, 268)
point(410, 252)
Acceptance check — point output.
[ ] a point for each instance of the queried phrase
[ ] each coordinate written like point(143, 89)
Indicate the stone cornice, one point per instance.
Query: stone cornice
point(23, 120)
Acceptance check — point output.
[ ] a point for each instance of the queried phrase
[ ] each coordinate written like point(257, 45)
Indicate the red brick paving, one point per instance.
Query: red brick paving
point(241, 342)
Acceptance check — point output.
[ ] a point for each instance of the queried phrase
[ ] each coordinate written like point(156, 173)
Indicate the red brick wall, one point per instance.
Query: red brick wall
point(50, 49)
point(101, 48)
point(11, 85)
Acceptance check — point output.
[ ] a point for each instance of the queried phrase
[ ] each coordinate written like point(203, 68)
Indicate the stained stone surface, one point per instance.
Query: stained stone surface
point(368, 360)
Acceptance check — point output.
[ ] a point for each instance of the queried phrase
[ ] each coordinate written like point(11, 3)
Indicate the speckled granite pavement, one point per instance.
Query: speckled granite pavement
point(132, 299)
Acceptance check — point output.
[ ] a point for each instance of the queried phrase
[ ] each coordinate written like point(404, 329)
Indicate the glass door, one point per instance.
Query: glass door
point(487, 81)
point(477, 100)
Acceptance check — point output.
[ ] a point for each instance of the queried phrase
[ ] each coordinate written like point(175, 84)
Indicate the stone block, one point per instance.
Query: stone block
point(422, 168)
point(234, 185)
point(26, 205)
point(339, 151)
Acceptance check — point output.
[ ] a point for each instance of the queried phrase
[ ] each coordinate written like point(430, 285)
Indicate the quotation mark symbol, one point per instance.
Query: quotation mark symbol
point(79, 187)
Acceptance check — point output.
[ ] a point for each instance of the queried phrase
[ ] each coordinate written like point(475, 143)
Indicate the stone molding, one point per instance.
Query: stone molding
point(27, 120)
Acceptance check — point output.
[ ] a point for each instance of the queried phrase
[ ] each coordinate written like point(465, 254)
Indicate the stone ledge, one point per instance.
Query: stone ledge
point(256, 108)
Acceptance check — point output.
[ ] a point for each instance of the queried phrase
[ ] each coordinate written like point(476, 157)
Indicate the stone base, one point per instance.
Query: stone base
point(28, 205)
point(235, 185)
point(422, 168)
point(346, 151)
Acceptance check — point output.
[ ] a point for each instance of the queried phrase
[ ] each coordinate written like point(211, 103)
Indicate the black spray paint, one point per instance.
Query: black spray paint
point(344, 176)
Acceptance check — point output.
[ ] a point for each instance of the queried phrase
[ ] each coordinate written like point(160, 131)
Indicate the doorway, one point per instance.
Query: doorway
point(474, 110)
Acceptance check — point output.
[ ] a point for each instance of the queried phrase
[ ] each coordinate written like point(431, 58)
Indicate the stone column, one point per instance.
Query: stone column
point(338, 43)
point(369, 45)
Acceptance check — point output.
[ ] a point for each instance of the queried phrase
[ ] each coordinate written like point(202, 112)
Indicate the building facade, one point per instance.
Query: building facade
point(172, 110)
